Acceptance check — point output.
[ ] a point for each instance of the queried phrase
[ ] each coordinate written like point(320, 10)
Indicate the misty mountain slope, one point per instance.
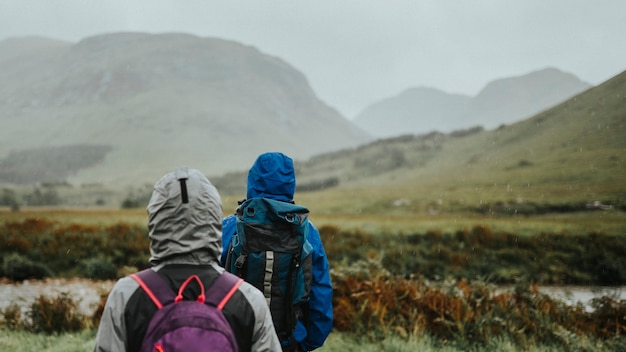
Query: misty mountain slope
point(14, 50)
point(508, 100)
point(572, 152)
point(571, 141)
point(415, 109)
point(504, 101)
point(160, 101)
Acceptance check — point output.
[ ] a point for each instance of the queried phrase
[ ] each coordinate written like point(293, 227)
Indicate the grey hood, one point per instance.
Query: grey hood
point(185, 219)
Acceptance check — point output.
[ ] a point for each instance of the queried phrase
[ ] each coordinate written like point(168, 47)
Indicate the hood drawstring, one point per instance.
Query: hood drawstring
point(182, 174)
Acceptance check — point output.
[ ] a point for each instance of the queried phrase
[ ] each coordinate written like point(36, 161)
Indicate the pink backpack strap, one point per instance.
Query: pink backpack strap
point(155, 287)
point(220, 292)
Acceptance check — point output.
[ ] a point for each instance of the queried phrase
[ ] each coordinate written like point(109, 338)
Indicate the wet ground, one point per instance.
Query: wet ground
point(84, 292)
point(583, 294)
point(87, 293)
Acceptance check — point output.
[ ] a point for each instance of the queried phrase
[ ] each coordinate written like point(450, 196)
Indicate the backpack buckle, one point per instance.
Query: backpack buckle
point(240, 261)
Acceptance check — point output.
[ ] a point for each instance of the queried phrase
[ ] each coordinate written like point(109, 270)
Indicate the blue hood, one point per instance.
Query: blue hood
point(272, 176)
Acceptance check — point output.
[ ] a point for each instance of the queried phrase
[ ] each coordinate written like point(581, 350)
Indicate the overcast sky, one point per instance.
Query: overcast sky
point(355, 52)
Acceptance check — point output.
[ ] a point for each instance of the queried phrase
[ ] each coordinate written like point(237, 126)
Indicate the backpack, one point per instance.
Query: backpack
point(183, 325)
point(270, 250)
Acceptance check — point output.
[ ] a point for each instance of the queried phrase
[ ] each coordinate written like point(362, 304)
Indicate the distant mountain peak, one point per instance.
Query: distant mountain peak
point(421, 110)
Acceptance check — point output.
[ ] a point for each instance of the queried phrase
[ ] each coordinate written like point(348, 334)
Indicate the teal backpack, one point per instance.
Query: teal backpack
point(270, 251)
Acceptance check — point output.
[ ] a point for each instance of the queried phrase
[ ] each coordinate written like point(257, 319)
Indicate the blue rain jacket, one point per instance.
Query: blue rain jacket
point(273, 176)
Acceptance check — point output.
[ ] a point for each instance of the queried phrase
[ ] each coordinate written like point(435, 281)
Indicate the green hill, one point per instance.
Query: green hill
point(129, 107)
point(569, 155)
point(54, 164)
point(158, 101)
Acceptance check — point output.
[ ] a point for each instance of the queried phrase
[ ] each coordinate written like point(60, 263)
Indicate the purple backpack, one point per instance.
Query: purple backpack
point(181, 325)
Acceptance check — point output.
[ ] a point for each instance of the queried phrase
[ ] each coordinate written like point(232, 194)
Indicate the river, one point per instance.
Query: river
point(87, 292)
point(583, 294)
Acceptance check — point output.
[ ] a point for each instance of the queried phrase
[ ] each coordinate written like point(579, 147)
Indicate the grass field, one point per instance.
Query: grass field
point(400, 220)
point(20, 341)
point(86, 216)
point(375, 217)
point(610, 223)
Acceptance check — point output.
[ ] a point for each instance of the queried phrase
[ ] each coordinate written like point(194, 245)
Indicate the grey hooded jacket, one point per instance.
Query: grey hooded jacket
point(185, 225)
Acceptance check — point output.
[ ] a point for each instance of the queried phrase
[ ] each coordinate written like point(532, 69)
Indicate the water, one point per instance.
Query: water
point(87, 292)
point(572, 295)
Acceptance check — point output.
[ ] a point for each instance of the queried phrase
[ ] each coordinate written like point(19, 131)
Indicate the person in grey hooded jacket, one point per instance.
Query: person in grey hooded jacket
point(185, 228)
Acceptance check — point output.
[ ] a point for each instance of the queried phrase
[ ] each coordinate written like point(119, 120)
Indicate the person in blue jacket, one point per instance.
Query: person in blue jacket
point(273, 176)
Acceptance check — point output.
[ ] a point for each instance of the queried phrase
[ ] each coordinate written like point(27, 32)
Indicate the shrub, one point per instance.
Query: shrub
point(100, 269)
point(318, 185)
point(469, 131)
point(97, 314)
point(129, 203)
point(19, 268)
point(469, 315)
point(55, 315)
point(11, 317)
point(9, 198)
point(137, 198)
point(480, 252)
point(47, 197)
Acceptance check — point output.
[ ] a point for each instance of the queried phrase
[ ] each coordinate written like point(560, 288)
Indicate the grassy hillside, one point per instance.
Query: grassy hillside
point(572, 152)
point(51, 164)
point(160, 101)
point(557, 161)
point(569, 155)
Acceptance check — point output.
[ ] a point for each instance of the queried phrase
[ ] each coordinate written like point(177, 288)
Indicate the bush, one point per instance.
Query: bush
point(67, 249)
point(9, 198)
point(318, 185)
point(11, 317)
point(48, 196)
point(609, 271)
point(55, 315)
point(100, 269)
point(129, 203)
point(19, 268)
point(469, 315)
point(97, 314)
point(479, 252)
point(137, 198)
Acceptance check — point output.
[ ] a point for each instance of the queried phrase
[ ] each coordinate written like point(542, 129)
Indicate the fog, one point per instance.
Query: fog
point(357, 52)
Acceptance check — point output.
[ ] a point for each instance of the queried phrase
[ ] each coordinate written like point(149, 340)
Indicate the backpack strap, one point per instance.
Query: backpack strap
point(155, 287)
point(222, 289)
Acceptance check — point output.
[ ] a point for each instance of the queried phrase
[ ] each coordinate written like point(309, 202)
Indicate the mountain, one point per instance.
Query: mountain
point(567, 155)
point(142, 104)
point(422, 110)
point(397, 115)
point(509, 100)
